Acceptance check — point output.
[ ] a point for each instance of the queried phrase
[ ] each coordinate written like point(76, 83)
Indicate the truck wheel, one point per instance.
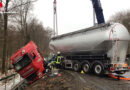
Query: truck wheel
point(76, 66)
point(98, 69)
point(86, 67)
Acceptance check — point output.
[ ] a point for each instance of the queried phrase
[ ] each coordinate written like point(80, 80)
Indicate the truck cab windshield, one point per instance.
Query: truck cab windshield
point(22, 63)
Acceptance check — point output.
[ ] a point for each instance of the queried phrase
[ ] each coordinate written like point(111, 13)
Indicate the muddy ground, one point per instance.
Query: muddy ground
point(70, 80)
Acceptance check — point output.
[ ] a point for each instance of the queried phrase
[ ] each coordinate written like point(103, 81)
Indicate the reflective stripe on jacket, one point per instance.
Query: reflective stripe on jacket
point(58, 61)
point(53, 62)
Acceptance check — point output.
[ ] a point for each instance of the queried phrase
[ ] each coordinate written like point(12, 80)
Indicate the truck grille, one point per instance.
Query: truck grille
point(31, 77)
point(26, 73)
point(22, 63)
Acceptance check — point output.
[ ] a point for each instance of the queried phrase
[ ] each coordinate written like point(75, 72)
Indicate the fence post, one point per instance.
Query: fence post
point(14, 81)
point(20, 78)
point(5, 83)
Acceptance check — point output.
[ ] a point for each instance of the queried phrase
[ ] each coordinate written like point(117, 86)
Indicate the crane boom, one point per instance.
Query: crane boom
point(98, 10)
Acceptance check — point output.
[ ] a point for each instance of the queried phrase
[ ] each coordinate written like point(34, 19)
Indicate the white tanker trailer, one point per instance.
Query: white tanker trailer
point(101, 49)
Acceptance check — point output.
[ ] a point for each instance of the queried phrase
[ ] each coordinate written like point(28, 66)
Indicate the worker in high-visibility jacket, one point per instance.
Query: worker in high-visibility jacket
point(59, 59)
point(53, 62)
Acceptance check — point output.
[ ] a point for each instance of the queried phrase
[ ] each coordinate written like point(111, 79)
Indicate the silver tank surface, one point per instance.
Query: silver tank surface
point(111, 39)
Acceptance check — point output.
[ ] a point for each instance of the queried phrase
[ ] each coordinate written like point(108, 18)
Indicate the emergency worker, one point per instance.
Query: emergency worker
point(59, 59)
point(52, 63)
point(53, 57)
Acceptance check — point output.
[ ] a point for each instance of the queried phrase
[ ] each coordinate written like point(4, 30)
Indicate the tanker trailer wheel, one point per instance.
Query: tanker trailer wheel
point(98, 68)
point(86, 67)
point(76, 66)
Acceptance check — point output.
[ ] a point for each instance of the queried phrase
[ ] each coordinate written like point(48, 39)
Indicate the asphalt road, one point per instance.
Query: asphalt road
point(101, 83)
point(70, 80)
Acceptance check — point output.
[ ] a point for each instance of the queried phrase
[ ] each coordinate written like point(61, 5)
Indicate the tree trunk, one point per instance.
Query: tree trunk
point(5, 38)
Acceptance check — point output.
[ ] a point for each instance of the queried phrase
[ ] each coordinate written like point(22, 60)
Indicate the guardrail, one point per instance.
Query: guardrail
point(20, 86)
point(11, 78)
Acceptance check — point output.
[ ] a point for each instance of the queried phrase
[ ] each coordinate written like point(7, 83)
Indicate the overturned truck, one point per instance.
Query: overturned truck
point(101, 49)
point(28, 62)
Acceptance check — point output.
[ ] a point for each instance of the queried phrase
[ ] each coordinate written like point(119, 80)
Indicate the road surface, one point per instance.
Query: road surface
point(70, 80)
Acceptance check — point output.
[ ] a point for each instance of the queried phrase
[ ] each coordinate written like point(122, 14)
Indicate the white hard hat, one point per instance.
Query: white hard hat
point(58, 52)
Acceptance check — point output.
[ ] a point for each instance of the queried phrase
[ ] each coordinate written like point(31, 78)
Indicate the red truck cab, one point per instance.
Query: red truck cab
point(28, 62)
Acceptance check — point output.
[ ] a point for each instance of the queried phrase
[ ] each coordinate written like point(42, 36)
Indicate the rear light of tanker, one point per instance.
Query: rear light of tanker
point(125, 65)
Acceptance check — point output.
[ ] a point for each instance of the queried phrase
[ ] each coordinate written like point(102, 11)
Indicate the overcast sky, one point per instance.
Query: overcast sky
point(75, 14)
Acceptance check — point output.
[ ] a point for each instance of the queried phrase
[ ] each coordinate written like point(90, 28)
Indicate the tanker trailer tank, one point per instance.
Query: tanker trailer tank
point(101, 49)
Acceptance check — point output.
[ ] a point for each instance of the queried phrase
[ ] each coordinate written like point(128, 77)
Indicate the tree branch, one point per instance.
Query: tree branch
point(22, 4)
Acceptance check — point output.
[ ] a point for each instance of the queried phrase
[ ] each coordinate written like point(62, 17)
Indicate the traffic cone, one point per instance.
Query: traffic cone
point(82, 72)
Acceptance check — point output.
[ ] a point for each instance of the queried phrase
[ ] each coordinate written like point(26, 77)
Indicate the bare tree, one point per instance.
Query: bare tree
point(40, 35)
point(122, 17)
point(13, 6)
point(5, 36)
point(17, 29)
point(22, 17)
